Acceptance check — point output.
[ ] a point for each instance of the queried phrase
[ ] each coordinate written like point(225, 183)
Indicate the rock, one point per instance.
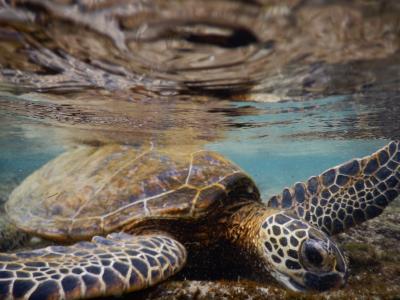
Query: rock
point(221, 289)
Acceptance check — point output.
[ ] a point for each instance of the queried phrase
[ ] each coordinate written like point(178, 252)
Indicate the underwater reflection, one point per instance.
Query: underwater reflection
point(255, 50)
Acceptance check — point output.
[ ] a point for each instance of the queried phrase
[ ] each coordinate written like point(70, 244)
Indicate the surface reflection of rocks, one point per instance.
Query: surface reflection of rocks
point(256, 50)
point(97, 119)
point(361, 116)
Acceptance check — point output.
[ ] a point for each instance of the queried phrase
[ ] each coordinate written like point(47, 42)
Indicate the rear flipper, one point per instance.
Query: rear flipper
point(348, 194)
point(105, 266)
point(10, 236)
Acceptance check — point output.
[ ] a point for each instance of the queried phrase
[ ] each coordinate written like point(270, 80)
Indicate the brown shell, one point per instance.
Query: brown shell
point(90, 191)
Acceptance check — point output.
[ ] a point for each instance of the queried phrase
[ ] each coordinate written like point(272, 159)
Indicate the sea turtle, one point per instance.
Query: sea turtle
point(148, 208)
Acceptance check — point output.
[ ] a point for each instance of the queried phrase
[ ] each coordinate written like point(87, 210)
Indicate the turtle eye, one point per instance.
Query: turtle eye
point(313, 253)
point(315, 256)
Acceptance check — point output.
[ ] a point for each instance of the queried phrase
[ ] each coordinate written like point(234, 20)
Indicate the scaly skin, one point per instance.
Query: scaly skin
point(348, 194)
point(296, 253)
point(105, 266)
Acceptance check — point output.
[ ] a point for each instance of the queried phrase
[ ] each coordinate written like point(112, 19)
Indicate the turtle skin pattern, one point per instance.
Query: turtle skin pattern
point(113, 265)
point(348, 194)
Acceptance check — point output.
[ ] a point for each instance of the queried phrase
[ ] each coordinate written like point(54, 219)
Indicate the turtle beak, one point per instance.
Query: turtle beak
point(324, 282)
point(289, 282)
point(312, 281)
point(296, 287)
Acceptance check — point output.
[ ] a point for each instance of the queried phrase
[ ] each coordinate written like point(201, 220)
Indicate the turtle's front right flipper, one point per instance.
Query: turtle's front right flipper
point(348, 194)
point(105, 266)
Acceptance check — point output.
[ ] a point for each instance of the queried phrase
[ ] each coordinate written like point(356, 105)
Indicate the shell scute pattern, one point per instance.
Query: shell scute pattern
point(208, 168)
point(347, 195)
point(175, 204)
point(119, 185)
point(114, 268)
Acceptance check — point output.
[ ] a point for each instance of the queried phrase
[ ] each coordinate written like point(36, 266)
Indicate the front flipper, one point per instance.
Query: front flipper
point(105, 266)
point(348, 194)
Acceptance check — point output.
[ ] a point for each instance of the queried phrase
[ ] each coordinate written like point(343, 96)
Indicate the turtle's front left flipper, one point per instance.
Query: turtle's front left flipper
point(104, 266)
point(348, 194)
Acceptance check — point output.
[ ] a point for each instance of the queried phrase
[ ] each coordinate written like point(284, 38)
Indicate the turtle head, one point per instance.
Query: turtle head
point(300, 256)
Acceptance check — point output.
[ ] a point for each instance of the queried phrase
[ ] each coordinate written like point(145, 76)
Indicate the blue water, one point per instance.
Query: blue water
point(279, 164)
point(287, 149)
point(22, 152)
